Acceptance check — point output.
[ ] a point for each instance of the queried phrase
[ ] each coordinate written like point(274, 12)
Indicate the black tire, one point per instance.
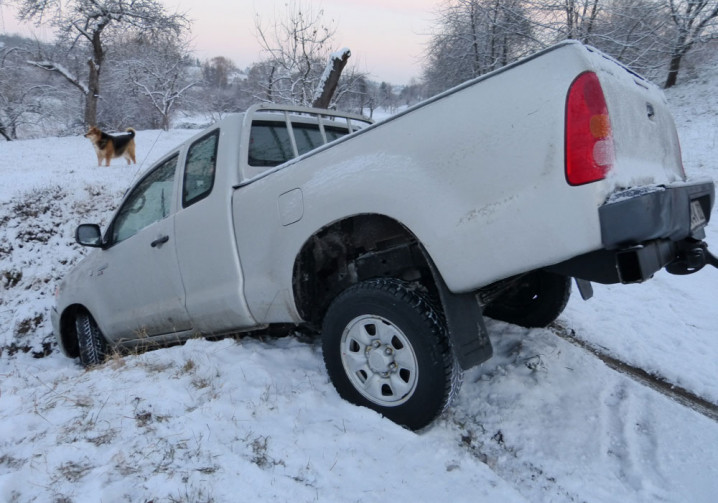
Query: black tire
point(534, 300)
point(91, 343)
point(386, 347)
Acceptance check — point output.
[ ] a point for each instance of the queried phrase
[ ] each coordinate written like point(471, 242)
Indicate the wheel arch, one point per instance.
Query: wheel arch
point(351, 250)
point(68, 332)
point(369, 246)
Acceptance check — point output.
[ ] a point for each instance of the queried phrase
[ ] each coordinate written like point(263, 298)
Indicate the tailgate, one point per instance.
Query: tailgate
point(644, 134)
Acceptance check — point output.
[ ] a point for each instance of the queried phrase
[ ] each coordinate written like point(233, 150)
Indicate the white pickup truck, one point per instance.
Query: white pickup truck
point(394, 239)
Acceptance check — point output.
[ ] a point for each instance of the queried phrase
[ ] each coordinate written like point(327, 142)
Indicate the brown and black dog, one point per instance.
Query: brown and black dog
point(109, 146)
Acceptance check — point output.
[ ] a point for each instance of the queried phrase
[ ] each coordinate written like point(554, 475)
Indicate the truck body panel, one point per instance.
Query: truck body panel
point(474, 180)
point(491, 185)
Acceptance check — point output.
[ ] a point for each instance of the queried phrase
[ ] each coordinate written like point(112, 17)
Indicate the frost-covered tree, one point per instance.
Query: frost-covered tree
point(474, 37)
point(693, 22)
point(26, 99)
point(297, 47)
point(633, 32)
point(223, 88)
point(386, 97)
point(162, 78)
point(91, 23)
point(217, 72)
point(564, 19)
point(644, 34)
point(649, 36)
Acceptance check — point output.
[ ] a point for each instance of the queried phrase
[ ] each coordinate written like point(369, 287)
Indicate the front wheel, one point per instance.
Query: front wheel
point(386, 347)
point(91, 343)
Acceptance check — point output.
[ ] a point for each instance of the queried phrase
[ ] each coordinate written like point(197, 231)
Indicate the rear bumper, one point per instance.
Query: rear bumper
point(645, 230)
point(636, 216)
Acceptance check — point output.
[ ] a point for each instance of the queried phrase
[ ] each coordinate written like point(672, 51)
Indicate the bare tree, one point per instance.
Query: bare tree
point(217, 72)
point(474, 37)
point(91, 22)
point(223, 88)
point(694, 21)
point(644, 34)
point(386, 97)
point(21, 95)
point(562, 19)
point(633, 32)
point(162, 77)
point(297, 46)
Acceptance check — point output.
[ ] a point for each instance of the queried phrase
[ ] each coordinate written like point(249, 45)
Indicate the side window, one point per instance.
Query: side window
point(200, 169)
point(334, 132)
point(308, 137)
point(149, 202)
point(269, 144)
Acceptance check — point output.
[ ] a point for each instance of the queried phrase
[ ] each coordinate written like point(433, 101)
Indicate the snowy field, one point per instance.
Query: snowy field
point(257, 419)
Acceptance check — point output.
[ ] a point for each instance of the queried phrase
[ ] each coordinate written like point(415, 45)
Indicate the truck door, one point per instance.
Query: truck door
point(139, 274)
point(205, 241)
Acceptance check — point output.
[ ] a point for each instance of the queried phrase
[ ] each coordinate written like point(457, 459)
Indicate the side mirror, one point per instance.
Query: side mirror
point(89, 235)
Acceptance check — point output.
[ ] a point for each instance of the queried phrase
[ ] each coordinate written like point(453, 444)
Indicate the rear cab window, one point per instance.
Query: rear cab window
point(269, 144)
point(274, 142)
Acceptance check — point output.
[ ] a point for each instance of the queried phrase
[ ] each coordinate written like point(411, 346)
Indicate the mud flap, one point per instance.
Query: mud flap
point(465, 321)
point(585, 288)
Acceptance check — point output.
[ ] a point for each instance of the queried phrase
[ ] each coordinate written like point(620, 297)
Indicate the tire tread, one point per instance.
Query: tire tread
point(421, 303)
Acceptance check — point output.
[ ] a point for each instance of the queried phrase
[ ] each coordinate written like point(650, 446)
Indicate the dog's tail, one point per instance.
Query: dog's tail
point(131, 131)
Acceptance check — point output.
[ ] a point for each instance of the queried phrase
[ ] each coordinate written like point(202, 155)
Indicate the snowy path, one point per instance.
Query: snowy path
point(656, 382)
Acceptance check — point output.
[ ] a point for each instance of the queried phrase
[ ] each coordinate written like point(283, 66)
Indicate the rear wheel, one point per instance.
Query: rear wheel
point(91, 344)
point(534, 300)
point(386, 347)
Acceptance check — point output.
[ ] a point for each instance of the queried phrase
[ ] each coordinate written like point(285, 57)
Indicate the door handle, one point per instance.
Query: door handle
point(159, 241)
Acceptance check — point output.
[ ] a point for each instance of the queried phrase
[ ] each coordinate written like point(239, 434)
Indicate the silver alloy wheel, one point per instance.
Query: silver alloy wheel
point(379, 360)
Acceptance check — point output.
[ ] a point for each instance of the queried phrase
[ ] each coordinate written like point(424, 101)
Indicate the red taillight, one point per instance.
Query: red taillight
point(589, 141)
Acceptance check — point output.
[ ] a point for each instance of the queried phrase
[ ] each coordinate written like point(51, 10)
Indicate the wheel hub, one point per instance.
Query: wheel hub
point(379, 360)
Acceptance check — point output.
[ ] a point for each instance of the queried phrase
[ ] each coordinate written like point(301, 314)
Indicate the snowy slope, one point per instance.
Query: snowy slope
point(258, 420)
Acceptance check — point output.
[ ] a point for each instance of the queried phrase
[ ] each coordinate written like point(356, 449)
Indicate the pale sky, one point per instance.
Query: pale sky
point(387, 38)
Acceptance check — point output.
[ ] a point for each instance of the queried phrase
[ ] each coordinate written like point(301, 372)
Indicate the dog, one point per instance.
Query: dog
point(108, 146)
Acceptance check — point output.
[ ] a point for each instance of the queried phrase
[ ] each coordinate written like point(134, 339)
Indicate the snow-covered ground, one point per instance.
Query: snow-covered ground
point(258, 420)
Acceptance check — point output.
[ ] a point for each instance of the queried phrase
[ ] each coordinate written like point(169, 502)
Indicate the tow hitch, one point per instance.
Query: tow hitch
point(692, 256)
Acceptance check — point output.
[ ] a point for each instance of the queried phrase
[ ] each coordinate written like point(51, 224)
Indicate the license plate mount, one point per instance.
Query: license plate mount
point(698, 218)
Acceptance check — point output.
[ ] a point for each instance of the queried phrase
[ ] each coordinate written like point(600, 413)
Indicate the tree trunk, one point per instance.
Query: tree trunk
point(475, 42)
point(270, 84)
point(93, 86)
point(93, 80)
point(4, 133)
point(680, 49)
point(673, 68)
point(337, 62)
point(166, 119)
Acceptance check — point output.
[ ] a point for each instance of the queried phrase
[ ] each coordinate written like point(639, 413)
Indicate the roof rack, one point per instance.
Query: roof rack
point(322, 115)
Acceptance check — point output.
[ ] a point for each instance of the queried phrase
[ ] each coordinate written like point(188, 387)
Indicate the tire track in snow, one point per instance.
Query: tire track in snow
point(657, 383)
